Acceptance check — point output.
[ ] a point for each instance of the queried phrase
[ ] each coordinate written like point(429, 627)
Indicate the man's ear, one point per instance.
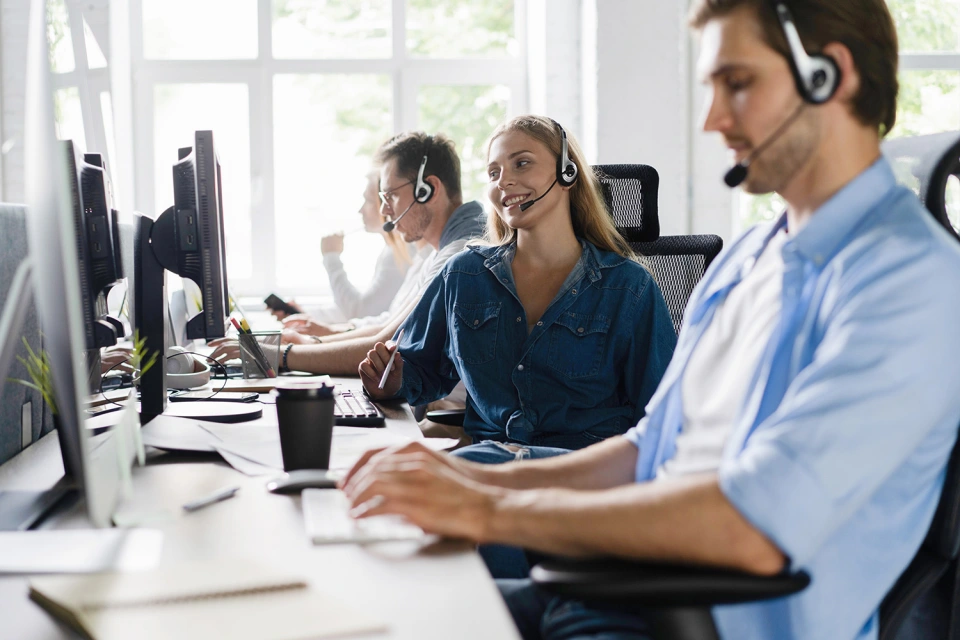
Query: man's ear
point(849, 74)
point(437, 185)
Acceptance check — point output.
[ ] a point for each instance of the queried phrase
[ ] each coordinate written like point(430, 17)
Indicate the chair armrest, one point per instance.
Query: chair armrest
point(449, 417)
point(660, 585)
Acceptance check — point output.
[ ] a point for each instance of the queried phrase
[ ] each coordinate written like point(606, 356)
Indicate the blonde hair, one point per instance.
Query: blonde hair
point(588, 211)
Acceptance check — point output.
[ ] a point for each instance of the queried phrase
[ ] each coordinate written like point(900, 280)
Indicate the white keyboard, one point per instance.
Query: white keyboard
point(325, 513)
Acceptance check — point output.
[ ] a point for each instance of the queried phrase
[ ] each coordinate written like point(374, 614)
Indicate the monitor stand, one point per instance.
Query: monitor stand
point(23, 510)
point(213, 411)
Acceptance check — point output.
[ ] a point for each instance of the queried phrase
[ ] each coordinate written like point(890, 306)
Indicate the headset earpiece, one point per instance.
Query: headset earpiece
point(567, 170)
point(817, 76)
point(423, 190)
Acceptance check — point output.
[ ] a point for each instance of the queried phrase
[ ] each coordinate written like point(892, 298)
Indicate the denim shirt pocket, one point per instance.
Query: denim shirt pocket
point(576, 344)
point(476, 331)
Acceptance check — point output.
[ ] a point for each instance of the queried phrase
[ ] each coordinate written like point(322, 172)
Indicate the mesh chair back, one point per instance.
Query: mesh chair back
point(677, 263)
point(630, 191)
point(926, 164)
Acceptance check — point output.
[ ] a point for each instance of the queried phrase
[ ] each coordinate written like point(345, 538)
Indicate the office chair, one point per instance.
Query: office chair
point(926, 164)
point(677, 599)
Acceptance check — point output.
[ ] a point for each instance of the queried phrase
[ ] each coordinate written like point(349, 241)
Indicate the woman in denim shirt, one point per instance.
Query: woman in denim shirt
point(558, 334)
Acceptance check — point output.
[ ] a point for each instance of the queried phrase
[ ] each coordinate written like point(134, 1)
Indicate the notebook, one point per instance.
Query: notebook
point(238, 600)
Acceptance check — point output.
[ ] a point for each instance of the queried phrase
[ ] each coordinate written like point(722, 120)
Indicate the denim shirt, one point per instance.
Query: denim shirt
point(839, 452)
point(583, 374)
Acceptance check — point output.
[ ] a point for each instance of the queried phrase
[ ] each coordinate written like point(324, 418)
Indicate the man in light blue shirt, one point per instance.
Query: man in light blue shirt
point(806, 418)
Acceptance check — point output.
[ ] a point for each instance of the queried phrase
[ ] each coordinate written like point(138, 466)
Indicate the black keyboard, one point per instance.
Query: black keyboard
point(354, 409)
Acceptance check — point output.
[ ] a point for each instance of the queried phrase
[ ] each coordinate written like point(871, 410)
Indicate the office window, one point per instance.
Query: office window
point(929, 100)
point(324, 84)
point(79, 76)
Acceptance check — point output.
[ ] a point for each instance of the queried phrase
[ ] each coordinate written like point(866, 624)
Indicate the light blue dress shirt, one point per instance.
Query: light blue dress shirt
point(838, 455)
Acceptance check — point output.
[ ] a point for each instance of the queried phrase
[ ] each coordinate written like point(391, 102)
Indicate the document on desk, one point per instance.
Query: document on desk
point(79, 550)
point(224, 599)
point(260, 444)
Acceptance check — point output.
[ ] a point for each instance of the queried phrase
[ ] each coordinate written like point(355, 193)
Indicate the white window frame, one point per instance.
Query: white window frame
point(90, 83)
point(407, 73)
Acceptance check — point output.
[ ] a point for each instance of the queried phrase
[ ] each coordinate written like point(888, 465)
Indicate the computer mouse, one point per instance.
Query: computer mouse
point(297, 481)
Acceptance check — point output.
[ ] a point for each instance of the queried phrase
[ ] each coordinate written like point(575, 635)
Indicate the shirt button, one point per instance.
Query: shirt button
point(476, 322)
point(540, 324)
point(580, 330)
point(519, 367)
point(574, 292)
point(518, 319)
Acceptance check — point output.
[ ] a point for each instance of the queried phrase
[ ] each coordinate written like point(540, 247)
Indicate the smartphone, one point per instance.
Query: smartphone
point(276, 303)
point(223, 396)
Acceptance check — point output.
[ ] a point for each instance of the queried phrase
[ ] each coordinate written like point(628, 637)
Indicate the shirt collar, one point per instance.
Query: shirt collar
point(829, 226)
point(592, 260)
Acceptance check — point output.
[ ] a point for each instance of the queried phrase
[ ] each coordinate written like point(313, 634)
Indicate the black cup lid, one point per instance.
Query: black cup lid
point(303, 390)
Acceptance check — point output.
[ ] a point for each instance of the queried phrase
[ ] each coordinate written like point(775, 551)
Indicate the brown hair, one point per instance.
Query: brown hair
point(409, 148)
point(587, 208)
point(865, 27)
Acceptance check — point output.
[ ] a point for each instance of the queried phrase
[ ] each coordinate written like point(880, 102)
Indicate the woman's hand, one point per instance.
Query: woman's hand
point(429, 489)
point(225, 349)
point(116, 359)
point(372, 367)
point(331, 244)
point(302, 323)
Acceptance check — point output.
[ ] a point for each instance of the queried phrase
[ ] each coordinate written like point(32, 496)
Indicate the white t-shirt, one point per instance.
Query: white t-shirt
point(723, 364)
point(387, 278)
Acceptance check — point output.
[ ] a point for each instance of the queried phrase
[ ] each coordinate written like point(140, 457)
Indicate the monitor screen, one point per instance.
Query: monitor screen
point(55, 251)
point(198, 224)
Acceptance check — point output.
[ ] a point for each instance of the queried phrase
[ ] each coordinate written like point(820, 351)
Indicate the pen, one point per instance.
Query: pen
point(237, 325)
point(219, 496)
point(386, 372)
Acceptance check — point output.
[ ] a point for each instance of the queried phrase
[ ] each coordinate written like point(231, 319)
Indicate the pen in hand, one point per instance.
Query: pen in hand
point(389, 368)
point(213, 498)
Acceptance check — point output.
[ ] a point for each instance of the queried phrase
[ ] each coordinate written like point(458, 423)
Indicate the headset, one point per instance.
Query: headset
point(422, 190)
point(180, 373)
point(817, 76)
point(567, 171)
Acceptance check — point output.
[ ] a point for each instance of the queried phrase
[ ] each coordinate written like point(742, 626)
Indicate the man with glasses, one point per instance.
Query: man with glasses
point(420, 181)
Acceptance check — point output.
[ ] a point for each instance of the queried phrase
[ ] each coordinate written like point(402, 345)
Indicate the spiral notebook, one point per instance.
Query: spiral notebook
point(237, 600)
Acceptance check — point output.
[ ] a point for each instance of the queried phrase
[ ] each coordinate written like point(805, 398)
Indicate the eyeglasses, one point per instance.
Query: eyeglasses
point(389, 198)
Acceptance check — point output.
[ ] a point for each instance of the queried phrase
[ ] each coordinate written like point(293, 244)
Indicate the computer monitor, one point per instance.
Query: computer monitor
point(187, 240)
point(198, 207)
point(55, 241)
point(98, 252)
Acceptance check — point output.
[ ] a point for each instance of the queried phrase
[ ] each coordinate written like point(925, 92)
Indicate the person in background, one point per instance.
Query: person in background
point(559, 335)
point(420, 193)
point(391, 267)
point(807, 417)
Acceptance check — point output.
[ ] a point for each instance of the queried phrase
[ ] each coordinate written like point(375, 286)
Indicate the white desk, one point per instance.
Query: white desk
point(444, 592)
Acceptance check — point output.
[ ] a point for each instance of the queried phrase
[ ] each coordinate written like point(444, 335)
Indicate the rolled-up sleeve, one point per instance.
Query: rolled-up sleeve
point(428, 372)
point(880, 382)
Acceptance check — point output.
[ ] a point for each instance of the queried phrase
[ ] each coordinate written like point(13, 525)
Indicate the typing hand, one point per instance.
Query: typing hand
point(289, 336)
point(331, 244)
point(372, 367)
point(226, 349)
point(302, 323)
point(425, 488)
point(116, 359)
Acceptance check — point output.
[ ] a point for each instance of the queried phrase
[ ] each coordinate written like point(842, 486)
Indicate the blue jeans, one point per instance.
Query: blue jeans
point(541, 616)
point(504, 561)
